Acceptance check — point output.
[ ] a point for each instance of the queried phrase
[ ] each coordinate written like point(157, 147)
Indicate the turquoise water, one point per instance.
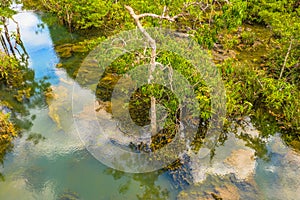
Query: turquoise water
point(60, 167)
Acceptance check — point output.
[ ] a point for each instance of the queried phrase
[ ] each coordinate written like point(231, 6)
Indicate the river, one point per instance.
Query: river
point(60, 167)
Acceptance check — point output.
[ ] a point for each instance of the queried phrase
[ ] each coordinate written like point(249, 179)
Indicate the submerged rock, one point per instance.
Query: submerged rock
point(67, 50)
point(220, 187)
point(235, 173)
point(231, 158)
point(229, 192)
point(229, 174)
point(59, 105)
point(243, 163)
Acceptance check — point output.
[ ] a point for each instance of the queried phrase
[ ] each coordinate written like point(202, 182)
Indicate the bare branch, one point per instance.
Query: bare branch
point(164, 11)
point(285, 59)
point(163, 16)
point(141, 28)
point(7, 35)
point(153, 62)
point(4, 44)
point(151, 68)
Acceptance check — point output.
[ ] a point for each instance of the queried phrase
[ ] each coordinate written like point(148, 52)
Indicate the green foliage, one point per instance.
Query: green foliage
point(6, 12)
point(205, 18)
point(249, 90)
point(13, 79)
point(79, 14)
point(248, 37)
point(7, 133)
point(234, 13)
point(253, 78)
point(282, 17)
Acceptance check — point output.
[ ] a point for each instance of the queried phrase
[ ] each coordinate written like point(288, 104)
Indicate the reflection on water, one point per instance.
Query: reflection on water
point(278, 177)
point(59, 167)
point(38, 45)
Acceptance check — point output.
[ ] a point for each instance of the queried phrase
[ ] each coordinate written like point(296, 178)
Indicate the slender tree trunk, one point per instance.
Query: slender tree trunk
point(153, 99)
point(7, 36)
point(6, 42)
point(3, 43)
point(20, 43)
point(151, 68)
point(152, 43)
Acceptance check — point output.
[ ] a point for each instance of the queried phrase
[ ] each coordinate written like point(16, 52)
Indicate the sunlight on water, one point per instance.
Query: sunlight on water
point(38, 44)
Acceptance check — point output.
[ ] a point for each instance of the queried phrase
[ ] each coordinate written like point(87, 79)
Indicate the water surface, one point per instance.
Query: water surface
point(60, 165)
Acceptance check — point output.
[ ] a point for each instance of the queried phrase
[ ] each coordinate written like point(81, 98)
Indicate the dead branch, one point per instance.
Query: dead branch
point(3, 43)
point(285, 59)
point(152, 44)
point(7, 36)
point(163, 16)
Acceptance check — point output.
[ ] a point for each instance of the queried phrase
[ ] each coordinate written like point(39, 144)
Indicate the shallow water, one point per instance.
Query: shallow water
point(60, 164)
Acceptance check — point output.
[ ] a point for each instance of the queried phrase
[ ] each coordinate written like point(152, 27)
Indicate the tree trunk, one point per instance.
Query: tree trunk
point(151, 68)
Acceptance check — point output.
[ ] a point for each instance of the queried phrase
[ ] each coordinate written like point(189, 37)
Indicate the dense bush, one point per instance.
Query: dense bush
point(260, 68)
